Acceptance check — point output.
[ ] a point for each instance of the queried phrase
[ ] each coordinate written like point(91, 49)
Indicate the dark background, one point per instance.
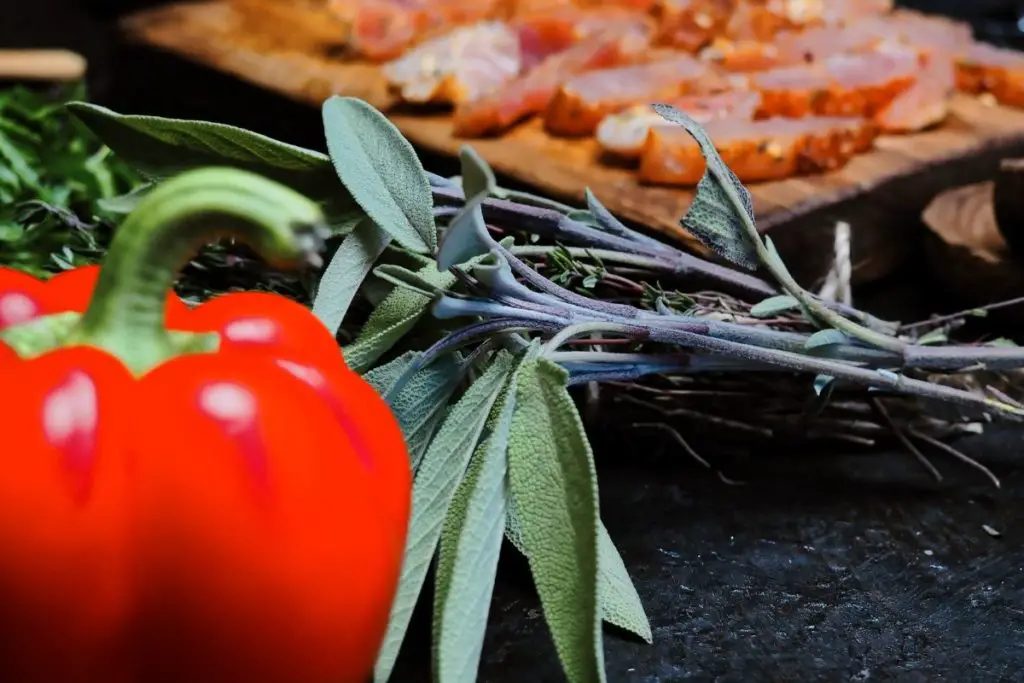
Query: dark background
point(822, 567)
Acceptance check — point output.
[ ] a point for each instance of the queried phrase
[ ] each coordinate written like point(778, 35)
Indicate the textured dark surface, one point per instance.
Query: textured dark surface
point(823, 568)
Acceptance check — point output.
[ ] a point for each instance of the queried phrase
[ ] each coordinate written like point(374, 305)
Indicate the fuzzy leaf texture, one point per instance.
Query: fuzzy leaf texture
point(554, 485)
point(712, 216)
point(381, 171)
point(400, 276)
point(392, 319)
point(344, 275)
point(161, 148)
point(469, 551)
point(620, 603)
point(423, 403)
point(441, 472)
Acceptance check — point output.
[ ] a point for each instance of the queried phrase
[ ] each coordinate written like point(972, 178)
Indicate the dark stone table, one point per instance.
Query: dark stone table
point(824, 568)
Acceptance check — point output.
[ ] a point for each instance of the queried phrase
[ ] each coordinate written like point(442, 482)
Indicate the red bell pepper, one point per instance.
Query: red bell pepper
point(24, 298)
point(224, 502)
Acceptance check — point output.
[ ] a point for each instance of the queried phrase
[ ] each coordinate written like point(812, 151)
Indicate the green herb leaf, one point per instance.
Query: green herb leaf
point(477, 176)
point(54, 176)
point(343, 276)
point(823, 385)
point(468, 555)
point(162, 147)
point(467, 237)
point(823, 338)
point(936, 336)
point(389, 322)
point(422, 403)
point(1003, 342)
point(713, 215)
point(620, 603)
point(381, 171)
point(583, 216)
point(443, 468)
point(124, 204)
point(383, 377)
point(405, 278)
point(772, 306)
point(554, 485)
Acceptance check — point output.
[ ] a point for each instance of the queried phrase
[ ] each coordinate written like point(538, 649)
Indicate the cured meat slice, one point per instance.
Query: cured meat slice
point(542, 34)
point(530, 93)
point(793, 48)
point(818, 43)
point(756, 151)
point(927, 31)
point(636, 5)
point(744, 56)
point(582, 101)
point(691, 24)
point(989, 69)
point(844, 12)
point(841, 85)
point(925, 103)
point(382, 30)
point(623, 134)
point(761, 20)
point(790, 47)
point(457, 67)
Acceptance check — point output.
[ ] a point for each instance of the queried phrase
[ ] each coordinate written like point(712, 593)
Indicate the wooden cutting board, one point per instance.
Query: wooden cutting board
point(296, 48)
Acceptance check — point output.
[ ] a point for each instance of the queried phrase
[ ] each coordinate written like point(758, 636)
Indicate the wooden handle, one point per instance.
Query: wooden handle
point(41, 65)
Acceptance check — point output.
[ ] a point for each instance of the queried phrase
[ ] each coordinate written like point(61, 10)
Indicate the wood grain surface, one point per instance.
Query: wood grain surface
point(296, 48)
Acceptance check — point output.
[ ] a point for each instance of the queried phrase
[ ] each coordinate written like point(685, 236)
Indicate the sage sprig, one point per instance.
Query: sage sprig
point(487, 306)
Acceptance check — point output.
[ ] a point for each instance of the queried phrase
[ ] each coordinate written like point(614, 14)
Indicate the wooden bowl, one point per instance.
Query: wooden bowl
point(966, 251)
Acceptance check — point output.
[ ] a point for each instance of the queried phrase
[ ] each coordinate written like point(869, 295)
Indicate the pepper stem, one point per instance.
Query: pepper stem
point(126, 313)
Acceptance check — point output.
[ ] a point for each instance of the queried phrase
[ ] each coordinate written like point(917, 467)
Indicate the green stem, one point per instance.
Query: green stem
point(572, 331)
point(126, 313)
point(608, 255)
point(793, 288)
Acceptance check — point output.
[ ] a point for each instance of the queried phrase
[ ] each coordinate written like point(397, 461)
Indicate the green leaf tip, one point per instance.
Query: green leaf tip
point(713, 216)
point(381, 171)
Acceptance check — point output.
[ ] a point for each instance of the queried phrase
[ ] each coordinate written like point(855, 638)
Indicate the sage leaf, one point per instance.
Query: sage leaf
point(823, 385)
point(381, 171)
point(714, 217)
point(554, 485)
point(823, 338)
point(1001, 342)
point(603, 219)
point(161, 147)
point(583, 216)
point(383, 377)
point(620, 603)
point(477, 176)
point(422, 403)
point(389, 322)
point(772, 306)
point(936, 336)
point(400, 276)
point(443, 468)
point(344, 275)
point(467, 237)
point(469, 551)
